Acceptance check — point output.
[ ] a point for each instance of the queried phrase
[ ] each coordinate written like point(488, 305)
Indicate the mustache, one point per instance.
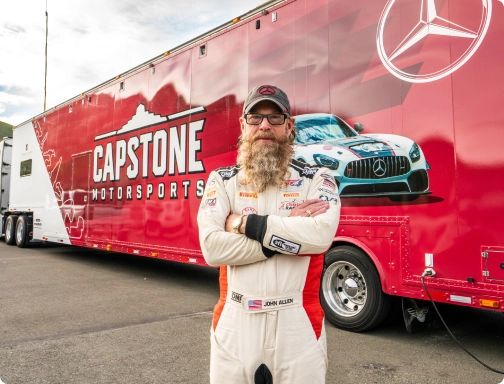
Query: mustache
point(263, 135)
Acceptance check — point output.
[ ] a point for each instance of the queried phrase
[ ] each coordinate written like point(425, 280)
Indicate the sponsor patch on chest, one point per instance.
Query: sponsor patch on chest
point(249, 210)
point(286, 245)
point(291, 195)
point(293, 185)
point(289, 205)
point(247, 195)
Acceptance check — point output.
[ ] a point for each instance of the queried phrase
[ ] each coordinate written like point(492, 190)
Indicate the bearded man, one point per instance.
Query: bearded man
point(267, 222)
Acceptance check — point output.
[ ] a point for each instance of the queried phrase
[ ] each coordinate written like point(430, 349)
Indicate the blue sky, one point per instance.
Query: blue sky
point(91, 42)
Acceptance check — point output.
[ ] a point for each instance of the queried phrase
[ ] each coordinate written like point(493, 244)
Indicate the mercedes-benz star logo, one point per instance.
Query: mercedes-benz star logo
point(266, 90)
point(430, 24)
point(379, 168)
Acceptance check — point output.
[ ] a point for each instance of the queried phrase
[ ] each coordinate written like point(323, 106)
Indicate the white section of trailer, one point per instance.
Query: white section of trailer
point(5, 168)
point(35, 193)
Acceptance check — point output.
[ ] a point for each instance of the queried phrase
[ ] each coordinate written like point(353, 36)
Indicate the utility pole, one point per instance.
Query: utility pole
point(45, 80)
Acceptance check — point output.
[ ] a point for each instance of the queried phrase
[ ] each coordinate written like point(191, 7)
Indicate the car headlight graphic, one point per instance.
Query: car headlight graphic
point(414, 153)
point(326, 161)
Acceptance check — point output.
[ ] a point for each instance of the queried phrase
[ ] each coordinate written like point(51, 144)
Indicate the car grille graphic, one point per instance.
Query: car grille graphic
point(378, 167)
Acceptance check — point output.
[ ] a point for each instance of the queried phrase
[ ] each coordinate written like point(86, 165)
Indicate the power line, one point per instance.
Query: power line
point(45, 79)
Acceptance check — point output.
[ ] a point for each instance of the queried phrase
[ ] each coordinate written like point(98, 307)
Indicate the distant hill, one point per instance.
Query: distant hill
point(5, 130)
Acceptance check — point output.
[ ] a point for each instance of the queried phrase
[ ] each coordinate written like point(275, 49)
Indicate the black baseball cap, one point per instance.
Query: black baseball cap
point(267, 92)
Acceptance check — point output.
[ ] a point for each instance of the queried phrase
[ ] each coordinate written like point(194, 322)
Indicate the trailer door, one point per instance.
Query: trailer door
point(76, 209)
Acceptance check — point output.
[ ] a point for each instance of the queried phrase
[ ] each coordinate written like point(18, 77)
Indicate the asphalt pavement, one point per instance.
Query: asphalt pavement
point(75, 315)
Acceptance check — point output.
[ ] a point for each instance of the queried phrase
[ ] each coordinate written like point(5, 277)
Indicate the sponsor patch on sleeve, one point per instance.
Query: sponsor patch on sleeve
point(327, 198)
point(329, 185)
point(212, 193)
point(329, 181)
point(211, 182)
point(209, 204)
point(286, 245)
point(331, 192)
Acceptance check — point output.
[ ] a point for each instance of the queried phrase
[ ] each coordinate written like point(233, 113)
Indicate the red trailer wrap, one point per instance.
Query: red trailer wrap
point(123, 166)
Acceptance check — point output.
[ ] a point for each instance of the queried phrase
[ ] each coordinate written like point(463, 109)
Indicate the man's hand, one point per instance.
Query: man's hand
point(229, 223)
point(310, 208)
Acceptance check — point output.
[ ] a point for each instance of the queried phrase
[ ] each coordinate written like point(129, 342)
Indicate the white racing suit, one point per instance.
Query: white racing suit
point(268, 324)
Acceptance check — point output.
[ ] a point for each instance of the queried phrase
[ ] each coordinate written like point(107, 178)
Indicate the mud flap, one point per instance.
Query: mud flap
point(417, 319)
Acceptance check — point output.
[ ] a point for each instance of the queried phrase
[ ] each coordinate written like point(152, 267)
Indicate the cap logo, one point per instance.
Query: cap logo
point(266, 90)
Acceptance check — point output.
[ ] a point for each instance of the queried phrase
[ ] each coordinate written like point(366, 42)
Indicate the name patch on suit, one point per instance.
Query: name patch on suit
point(271, 304)
point(286, 245)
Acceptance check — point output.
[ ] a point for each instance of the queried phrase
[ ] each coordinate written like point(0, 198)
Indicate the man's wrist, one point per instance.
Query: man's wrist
point(243, 225)
point(237, 223)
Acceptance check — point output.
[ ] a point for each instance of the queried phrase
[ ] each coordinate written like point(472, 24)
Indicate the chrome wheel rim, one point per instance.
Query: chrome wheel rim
point(19, 234)
point(344, 289)
point(8, 228)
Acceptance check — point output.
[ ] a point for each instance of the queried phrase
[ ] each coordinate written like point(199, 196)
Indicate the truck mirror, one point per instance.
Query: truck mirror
point(358, 127)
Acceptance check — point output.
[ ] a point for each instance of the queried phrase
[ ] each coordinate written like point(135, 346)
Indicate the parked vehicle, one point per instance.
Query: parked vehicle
point(122, 167)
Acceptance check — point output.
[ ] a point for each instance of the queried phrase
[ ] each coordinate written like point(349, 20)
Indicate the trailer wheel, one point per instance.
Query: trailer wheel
point(351, 293)
point(10, 229)
point(21, 232)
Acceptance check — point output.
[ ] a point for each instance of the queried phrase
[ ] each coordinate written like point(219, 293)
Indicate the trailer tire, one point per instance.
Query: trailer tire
point(350, 291)
point(10, 229)
point(22, 232)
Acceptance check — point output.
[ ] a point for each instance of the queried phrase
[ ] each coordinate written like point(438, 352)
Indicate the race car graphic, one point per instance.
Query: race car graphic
point(363, 165)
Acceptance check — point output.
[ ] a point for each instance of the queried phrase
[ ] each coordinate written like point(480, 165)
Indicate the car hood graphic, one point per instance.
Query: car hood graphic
point(364, 146)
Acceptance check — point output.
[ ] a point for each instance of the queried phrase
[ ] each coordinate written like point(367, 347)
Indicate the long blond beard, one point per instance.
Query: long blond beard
point(265, 163)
